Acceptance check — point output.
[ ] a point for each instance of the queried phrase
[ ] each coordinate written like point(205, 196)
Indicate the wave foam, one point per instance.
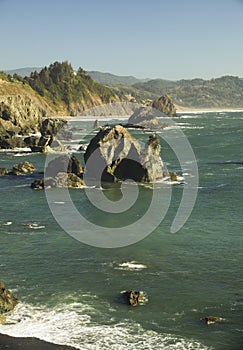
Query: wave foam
point(71, 325)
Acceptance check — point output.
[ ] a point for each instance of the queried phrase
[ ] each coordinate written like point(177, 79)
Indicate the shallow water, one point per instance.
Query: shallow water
point(69, 291)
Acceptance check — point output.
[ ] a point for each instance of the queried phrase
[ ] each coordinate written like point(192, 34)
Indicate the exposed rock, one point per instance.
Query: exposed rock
point(114, 154)
point(3, 171)
point(134, 298)
point(149, 116)
point(45, 183)
point(51, 126)
point(7, 300)
point(212, 319)
point(165, 105)
point(64, 163)
point(22, 168)
point(146, 117)
point(68, 180)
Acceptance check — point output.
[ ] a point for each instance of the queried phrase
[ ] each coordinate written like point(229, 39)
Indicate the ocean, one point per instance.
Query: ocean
point(69, 291)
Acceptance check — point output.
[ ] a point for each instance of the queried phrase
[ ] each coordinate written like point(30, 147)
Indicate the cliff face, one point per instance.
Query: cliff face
point(21, 110)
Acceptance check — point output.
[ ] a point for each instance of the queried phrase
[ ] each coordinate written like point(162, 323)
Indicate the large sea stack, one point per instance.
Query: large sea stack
point(115, 155)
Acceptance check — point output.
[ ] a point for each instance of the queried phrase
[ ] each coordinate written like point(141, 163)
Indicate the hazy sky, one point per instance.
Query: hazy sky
point(169, 39)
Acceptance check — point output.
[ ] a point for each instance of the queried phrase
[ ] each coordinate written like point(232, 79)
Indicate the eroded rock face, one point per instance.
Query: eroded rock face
point(7, 300)
point(70, 180)
point(114, 154)
point(165, 105)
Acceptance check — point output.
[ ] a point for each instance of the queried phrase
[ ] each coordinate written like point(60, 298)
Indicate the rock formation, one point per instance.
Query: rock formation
point(165, 105)
point(114, 154)
point(7, 300)
point(49, 129)
point(149, 117)
point(63, 171)
point(64, 163)
point(134, 298)
point(22, 168)
point(211, 319)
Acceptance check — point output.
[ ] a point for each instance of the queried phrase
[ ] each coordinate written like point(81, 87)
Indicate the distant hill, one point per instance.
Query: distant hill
point(23, 72)
point(223, 92)
point(111, 79)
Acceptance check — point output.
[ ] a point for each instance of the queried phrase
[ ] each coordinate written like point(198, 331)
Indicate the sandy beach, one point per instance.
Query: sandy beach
point(11, 343)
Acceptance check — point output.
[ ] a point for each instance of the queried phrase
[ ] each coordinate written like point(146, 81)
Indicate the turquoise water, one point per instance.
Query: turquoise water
point(69, 291)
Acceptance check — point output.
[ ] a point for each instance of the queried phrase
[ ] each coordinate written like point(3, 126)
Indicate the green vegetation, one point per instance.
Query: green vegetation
point(62, 86)
point(224, 92)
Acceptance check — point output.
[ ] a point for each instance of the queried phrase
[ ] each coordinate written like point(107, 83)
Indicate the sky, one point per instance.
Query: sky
point(167, 39)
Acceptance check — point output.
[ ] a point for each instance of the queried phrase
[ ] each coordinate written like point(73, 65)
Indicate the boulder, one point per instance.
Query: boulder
point(7, 300)
point(64, 163)
point(22, 168)
point(134, 298)
point(45, 183)
point(68, 181)
point(115, 155)
point(165, 105)
point(3, 171)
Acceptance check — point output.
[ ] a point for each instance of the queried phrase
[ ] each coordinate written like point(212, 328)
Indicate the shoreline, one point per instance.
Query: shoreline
point(12, 343)
point(181, 110)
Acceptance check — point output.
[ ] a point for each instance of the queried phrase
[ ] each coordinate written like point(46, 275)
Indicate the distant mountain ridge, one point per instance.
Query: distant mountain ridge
point(223, 92)
point(112, 79)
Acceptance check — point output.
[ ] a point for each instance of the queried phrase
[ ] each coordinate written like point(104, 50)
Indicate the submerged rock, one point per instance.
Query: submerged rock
point(7, 300)
point(134, 298)
point(115, 155)
point(211, 319)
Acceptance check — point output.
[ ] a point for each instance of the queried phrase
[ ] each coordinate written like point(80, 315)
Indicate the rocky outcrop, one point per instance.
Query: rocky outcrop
point(212, 319)
point(115, 155)
point(63, 171)
point(165, 105)
point(48, 141)
point(64, 164)
point(21, 113)
point(22, 168)
point(149, 117)
point(7, 300)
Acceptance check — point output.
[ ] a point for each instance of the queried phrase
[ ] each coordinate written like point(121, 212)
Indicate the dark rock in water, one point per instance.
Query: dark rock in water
point(7, 300)
point(96, 124)
point(165, 105)
point(22, 168)
point(211, 319)
point(45, 183)
point(64, 164)
point(68, 181)
point(3, 171)
point(134, 298)
point(115, 155)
